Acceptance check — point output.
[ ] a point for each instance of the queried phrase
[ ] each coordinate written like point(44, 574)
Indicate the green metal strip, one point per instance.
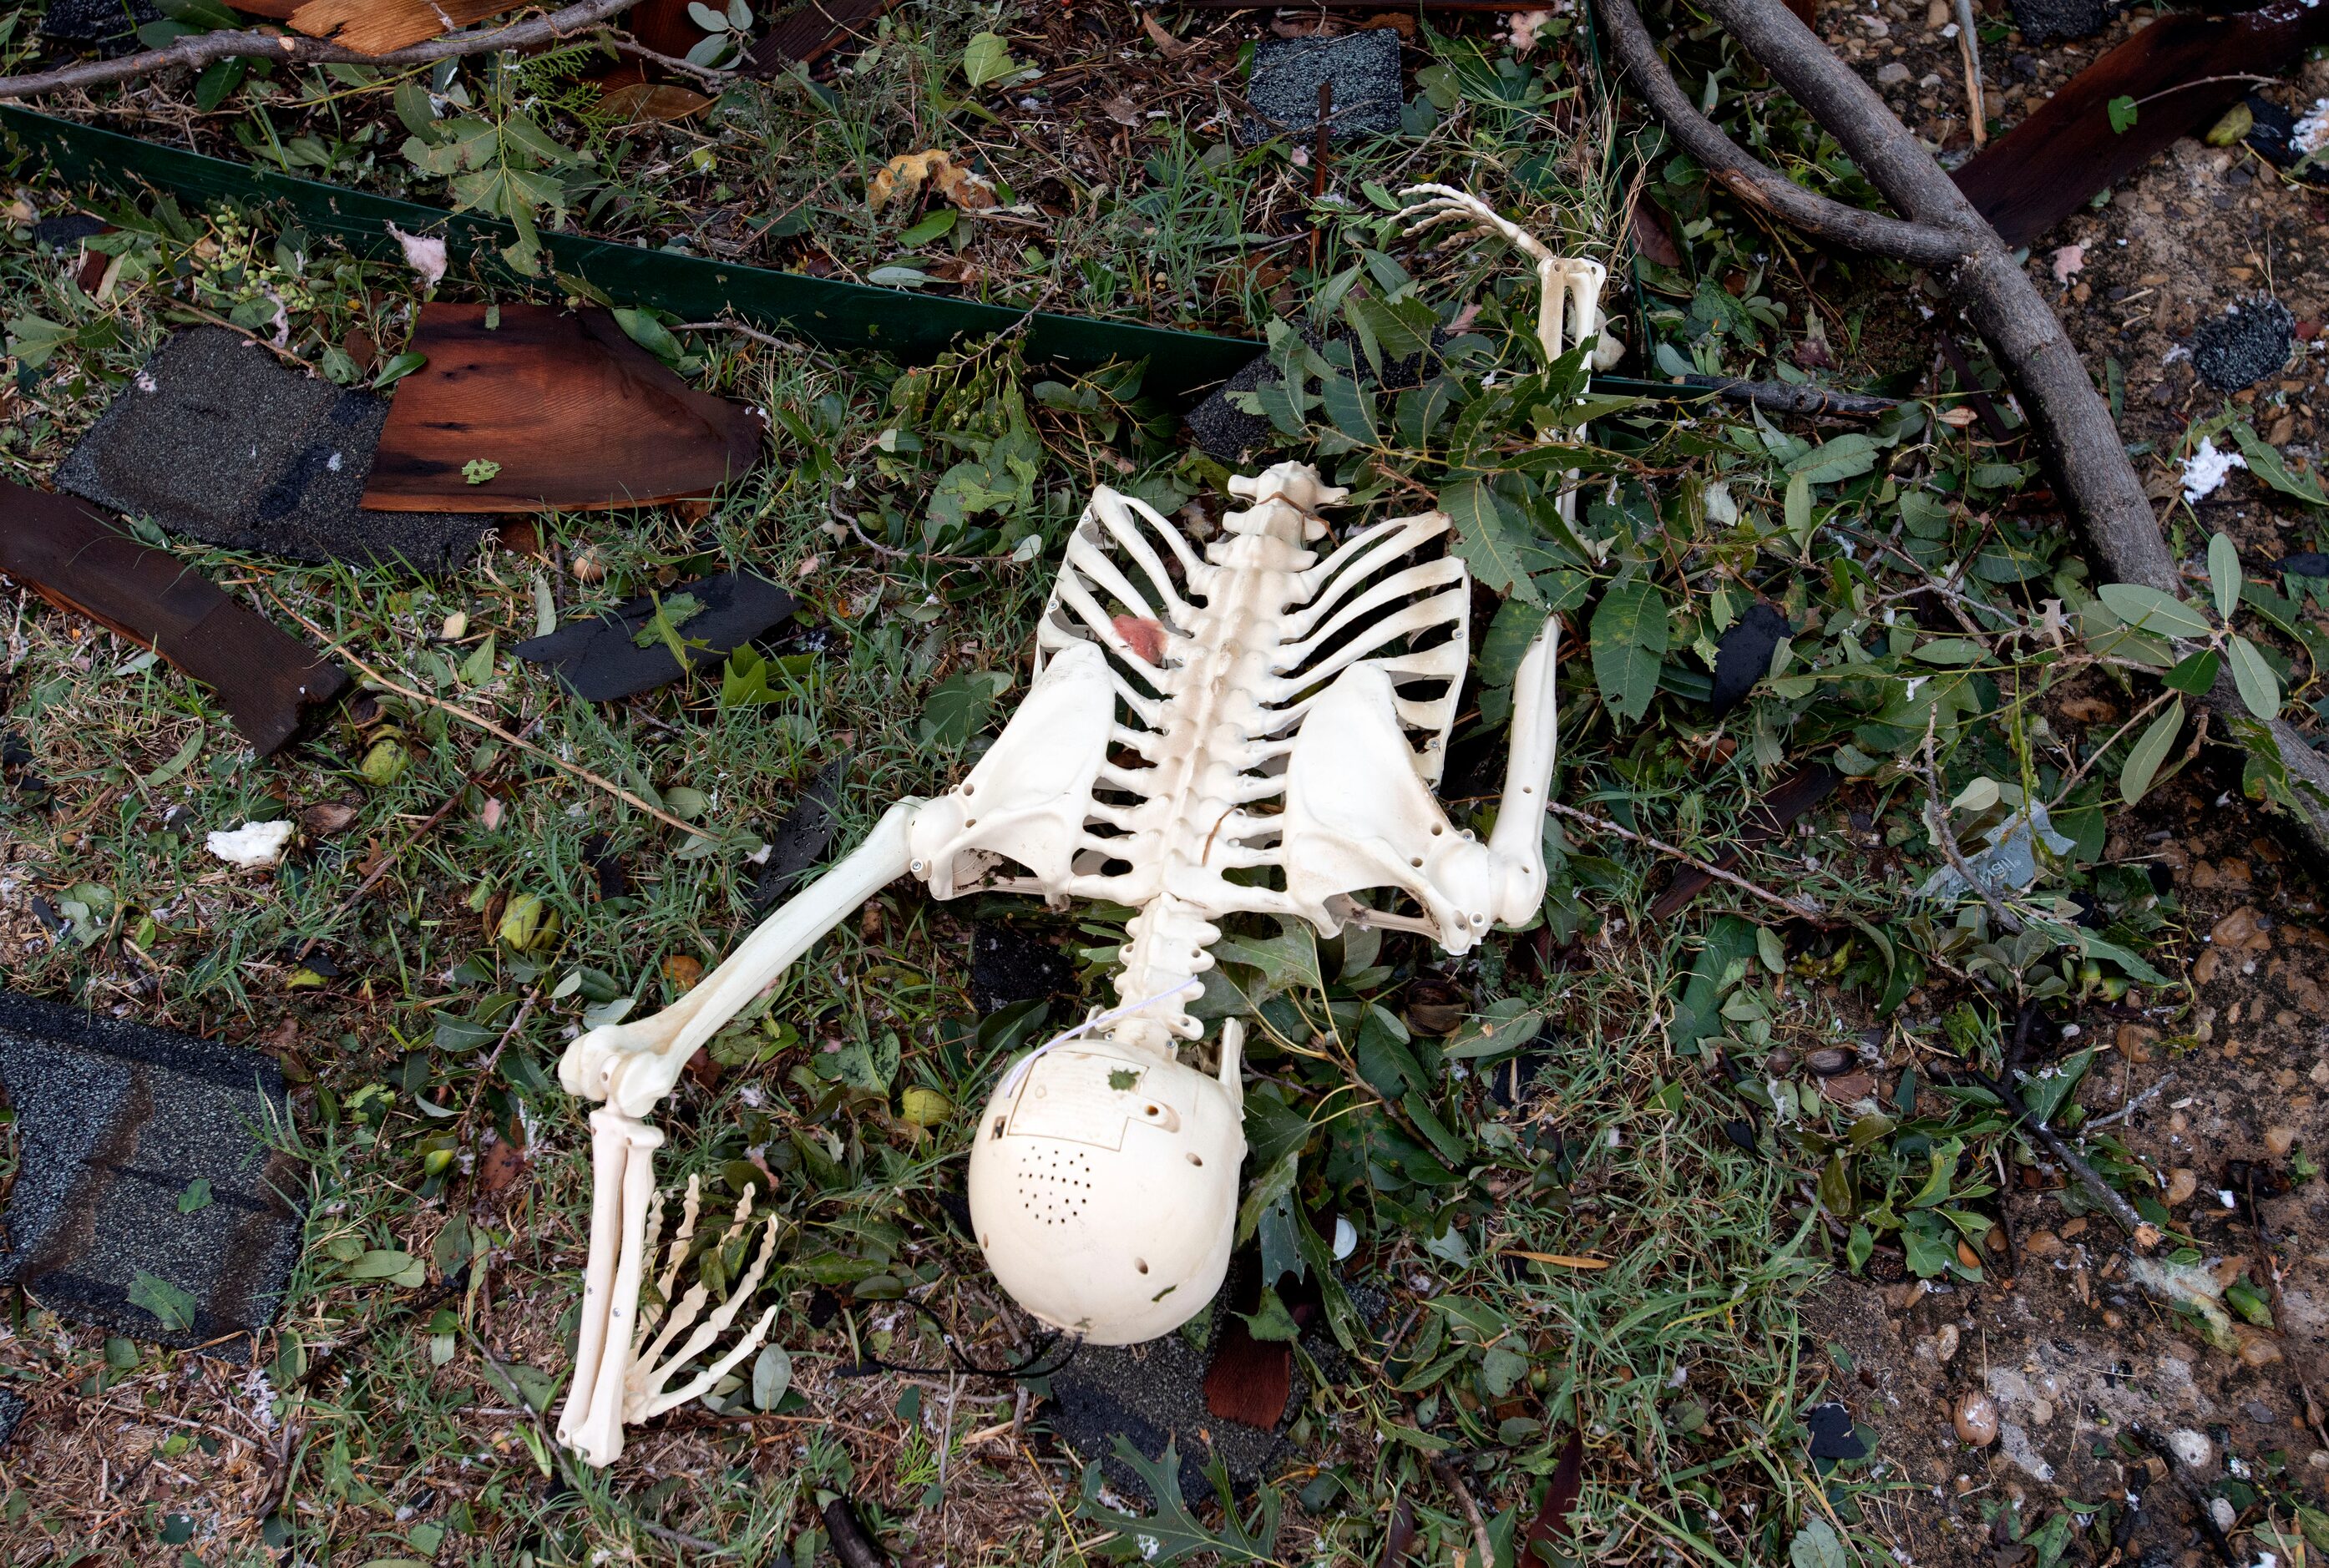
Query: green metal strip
point(829, 313)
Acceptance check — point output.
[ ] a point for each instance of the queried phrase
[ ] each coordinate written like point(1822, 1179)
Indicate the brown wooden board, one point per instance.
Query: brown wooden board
point(578, 416)
point(812, 30)
point(383, 26)
point(2183, 70)
point(72, 555)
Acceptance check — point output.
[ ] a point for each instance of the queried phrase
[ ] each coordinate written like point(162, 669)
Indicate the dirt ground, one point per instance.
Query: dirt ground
point(2078, 1360)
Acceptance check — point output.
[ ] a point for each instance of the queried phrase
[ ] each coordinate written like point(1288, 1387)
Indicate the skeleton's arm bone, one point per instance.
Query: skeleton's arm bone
point(632, 1066)
point(1518, 838)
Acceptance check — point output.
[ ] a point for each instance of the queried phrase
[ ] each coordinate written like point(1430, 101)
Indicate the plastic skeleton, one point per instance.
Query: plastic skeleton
point(1254, 729)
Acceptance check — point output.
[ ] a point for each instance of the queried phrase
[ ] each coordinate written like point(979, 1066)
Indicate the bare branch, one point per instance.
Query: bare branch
point(1927, 244)
point(207, 48)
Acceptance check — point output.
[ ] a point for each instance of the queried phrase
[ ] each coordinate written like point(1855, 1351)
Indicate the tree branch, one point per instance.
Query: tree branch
point(204, 48)
point(1752, 182)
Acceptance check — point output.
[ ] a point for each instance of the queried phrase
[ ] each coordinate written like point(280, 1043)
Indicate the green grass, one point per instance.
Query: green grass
point(420, 1436)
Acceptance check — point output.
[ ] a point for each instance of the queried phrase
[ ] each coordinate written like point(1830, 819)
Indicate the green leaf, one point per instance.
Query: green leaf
point(523, 133)
point(1797, 508)
point(219, 79)
point(2195, 676)
point(938, 225)
point(2259, 687)
point(2149, 610)
point(1629, 637)
point(987, 58)
point(170, 1305)
point(397, 369)
point(2267, 464)
point(178, 764)
point(957, 707)
point(772, 1373)
point(1173, 1533)
point(2144, 757)
point(1845, 457)
point(197, 1196)
point(1816, 1545)
point(1516, 624)
point(2224, 574)
point(32, 338)
point(644, 329)
point(1351, 408)
point(1487, 540)
point(2122, 111)
point(1271, 1322)
point(480, 469)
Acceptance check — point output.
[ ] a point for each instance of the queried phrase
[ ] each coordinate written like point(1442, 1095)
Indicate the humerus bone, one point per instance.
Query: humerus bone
point(1282, 715)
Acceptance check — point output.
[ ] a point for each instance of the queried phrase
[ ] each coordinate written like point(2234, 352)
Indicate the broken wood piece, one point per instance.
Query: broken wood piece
point(549, 408)
point(623, 652)
point(121, 1126)
point(2183, 71)
point(70, 554)
point(810, 31)
point(384, 26)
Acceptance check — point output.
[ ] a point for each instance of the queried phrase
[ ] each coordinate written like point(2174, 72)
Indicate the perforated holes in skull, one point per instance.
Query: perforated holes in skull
point(1055, 1185)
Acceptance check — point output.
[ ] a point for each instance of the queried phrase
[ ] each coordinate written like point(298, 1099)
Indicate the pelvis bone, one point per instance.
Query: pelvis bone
point(1255, 727)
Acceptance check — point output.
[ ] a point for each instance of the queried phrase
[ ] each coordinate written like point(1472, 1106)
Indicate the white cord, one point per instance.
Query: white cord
point(1018, 1072)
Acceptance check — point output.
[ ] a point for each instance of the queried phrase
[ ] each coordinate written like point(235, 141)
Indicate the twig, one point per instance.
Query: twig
point(2132, 1106)
point(757, 336)
point(705, 74)
point(486, 1073)
point(455, 710)
point(277, 350)
point(1801, 908)
point(1483, 1543)
point(2105, 1196)
point(1969, 50)
point(204, 48)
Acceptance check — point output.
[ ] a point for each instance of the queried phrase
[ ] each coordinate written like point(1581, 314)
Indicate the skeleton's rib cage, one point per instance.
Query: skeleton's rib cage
point(1277, 758)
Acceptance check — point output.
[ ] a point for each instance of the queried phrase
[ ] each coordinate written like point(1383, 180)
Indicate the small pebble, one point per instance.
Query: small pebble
point(587, 566)
point(1945, 1341)
point(2278, 1141)
point(2259, 1349)
point(2041, 1243)
point(2182, 1183)
point(1976, 1419)
point(1831, 1062)
point(2190, 1447)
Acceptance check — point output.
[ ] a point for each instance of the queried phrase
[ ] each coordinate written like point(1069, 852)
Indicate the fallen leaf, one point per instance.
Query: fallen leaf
point(1559, 1260)
point(323, 819)
point(499, 1163)
point(641, 100)
point(1849, 1089)
point(422, 253)
point(1121, 110)
point(1169, 46)
point(1522, 29)
point(1958, 417)
point(683, 970)
point(2068, 260)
